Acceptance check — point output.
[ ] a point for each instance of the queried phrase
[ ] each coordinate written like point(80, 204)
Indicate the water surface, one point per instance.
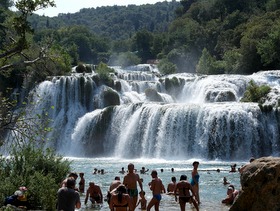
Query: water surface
point(212, 190)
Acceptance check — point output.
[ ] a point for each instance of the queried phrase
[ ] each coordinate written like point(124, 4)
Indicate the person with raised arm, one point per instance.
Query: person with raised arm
point(157, 188)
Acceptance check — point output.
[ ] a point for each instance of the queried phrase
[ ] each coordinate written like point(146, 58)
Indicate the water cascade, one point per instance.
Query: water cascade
point(143, 115)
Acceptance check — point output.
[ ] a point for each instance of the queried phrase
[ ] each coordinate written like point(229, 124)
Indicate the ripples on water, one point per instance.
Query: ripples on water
point(212, 190)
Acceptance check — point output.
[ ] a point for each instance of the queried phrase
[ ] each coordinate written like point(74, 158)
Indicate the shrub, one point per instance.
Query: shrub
point(255, 93)
point(104, 73)
point(80, 68)
point(165, 67)
point(41, 171)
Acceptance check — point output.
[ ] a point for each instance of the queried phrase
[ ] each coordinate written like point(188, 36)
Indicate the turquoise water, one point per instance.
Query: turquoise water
point(212, 190)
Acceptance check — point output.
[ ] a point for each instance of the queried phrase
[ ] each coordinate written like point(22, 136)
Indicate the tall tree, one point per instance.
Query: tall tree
point(16, 29)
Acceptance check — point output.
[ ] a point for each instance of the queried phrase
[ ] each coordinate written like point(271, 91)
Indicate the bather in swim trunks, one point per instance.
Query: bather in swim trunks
point(157, 197)
point(132, 192)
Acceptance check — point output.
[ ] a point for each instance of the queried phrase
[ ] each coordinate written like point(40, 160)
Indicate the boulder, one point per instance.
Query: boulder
point(260, 183)
point(153, 95)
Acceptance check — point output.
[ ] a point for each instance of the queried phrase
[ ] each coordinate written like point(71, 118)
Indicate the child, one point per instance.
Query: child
point(157, 188)
point(142, 200)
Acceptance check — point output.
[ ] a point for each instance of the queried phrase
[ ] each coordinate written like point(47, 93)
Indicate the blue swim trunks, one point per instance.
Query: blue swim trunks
point(157, 197)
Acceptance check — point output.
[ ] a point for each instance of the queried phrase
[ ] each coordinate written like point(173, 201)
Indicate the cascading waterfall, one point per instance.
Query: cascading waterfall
point(179, 116)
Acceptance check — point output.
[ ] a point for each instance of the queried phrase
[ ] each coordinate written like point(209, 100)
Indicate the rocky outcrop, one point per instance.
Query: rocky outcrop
point(153, 95)
point(260, 182)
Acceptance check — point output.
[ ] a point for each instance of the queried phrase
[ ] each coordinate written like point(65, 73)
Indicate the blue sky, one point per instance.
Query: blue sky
point(72, 6)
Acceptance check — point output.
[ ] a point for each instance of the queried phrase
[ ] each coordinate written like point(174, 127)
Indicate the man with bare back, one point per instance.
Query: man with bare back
point(157, 188)
point(94, 194)
point(130, 181)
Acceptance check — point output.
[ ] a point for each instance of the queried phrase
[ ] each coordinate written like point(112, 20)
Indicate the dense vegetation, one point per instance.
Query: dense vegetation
point(116, 22)
point(209, 37)
point(29, 164)
point(203, 36)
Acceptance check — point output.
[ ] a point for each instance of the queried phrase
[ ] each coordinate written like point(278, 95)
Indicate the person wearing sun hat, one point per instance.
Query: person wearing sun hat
point(21, 200)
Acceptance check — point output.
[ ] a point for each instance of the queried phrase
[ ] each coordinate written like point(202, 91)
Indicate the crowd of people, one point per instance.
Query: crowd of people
point(124, 195)
point(129, 194)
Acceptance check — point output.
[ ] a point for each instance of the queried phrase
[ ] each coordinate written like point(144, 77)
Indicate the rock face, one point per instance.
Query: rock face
point(260, 182)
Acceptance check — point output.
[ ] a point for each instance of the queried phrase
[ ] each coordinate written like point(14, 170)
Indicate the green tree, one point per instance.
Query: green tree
point(206, 63)
point(142, 43)
point(17, 29)
point(269, 48)
point(36, 169)
point(165, 67)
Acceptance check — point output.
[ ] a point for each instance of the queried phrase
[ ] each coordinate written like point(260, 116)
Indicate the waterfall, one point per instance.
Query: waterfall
point(177, 116)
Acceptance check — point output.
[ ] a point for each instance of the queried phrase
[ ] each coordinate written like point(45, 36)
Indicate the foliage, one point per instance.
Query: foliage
point(209, 65)
point(255, 93)
point(240, 35)
point(41, 171)
point(82, 68)
point(165, 67)
point(115, 22)
point(16, 30)
point(28, 163)
point(104, 73)
point(142, 43)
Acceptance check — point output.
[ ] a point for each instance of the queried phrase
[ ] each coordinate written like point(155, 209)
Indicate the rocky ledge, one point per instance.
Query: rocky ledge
point(260, 183)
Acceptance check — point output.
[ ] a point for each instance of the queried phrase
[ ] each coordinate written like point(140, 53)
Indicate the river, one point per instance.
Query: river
point(212, 189)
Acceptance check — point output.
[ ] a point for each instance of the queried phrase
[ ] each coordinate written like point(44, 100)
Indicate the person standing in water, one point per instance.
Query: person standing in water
point(67, 197)
point(157, 188)
point(130, 181)
point(171, 186)
point(183, 188)
point(82, 183)
point(120, 201)
point(195, 180)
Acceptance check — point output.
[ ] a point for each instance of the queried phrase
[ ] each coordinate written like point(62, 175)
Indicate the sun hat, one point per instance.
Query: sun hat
point(23, 188)
point(18, 193)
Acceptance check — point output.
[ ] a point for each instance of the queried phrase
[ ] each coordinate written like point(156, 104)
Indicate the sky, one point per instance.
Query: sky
point(72, 6)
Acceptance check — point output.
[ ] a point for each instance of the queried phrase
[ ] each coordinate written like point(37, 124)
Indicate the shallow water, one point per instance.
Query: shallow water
point(212, 190)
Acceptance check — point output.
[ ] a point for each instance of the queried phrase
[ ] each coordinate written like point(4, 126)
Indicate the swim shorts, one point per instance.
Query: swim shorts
point(157, 197)
point(132, 192)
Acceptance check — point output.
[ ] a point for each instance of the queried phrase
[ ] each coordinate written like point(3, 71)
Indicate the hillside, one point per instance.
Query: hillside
point(114, 22)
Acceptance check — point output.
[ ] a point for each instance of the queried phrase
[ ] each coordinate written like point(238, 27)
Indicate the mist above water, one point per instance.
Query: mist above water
point(180, 116)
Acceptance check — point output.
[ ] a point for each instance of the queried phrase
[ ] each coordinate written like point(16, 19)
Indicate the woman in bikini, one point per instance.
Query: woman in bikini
point(121, 200)
point(183, 189)
point(195, 181)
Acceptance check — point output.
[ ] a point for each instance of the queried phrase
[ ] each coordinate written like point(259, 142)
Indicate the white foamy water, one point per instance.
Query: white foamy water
point(179, 116)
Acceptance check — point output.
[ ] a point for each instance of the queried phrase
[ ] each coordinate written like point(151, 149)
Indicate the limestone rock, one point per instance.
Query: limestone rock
point(260, 182)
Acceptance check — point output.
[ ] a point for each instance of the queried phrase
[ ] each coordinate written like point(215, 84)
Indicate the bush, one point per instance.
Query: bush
point(255, 93)
point(40, 171)
point(165, 67)
point(81, 68)
point(104, 73)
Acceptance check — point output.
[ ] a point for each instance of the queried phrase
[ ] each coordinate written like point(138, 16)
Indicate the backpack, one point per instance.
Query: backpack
point(10, 199)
